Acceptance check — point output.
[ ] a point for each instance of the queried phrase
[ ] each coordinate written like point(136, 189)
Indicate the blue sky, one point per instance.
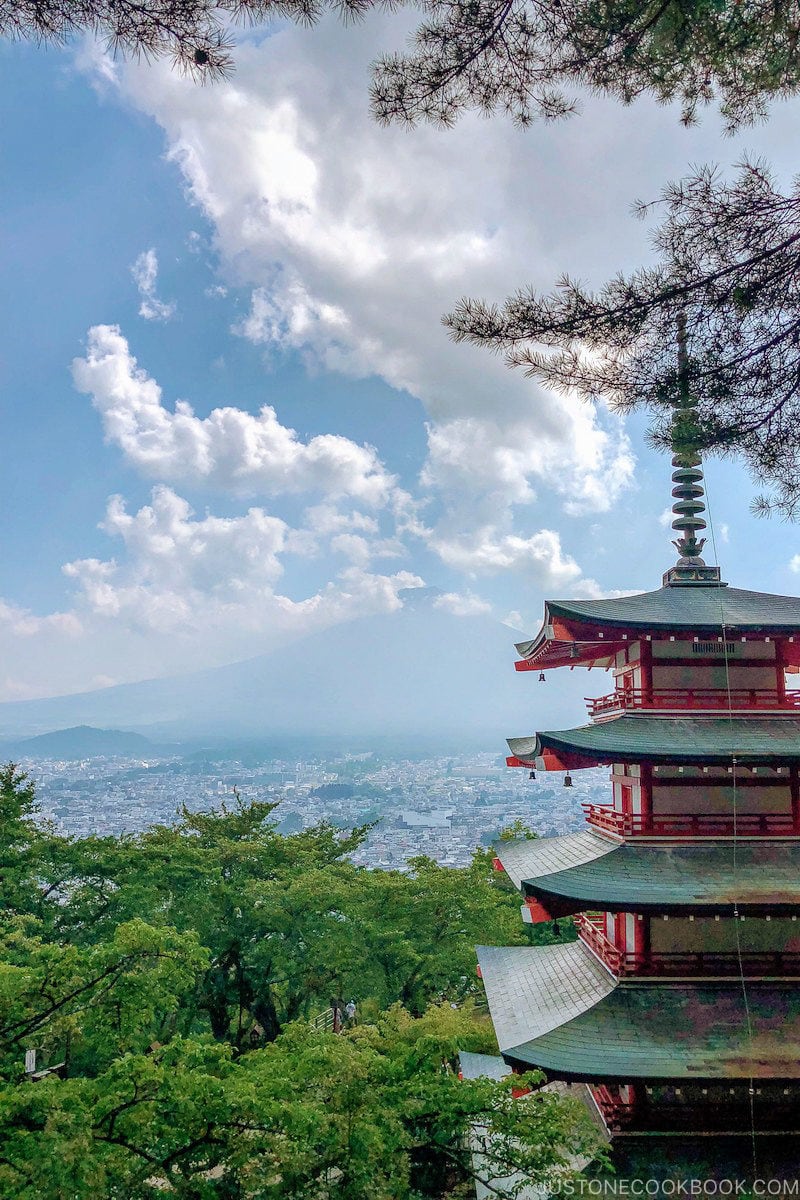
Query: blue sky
point(292, 254)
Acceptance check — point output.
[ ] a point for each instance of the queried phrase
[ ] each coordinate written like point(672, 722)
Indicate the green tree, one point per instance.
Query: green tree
point(289, 922)
point(524, 57)
point(728, 258)
point(159, 977)
point(268, 907)
point(28, 850)
point(377, 1113)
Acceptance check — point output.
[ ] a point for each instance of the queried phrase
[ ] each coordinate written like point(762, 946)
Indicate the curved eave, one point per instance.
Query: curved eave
point(702, 740)
point(555, 1007)
point(566, 644)
point(527, 858)
point(700, 609)
point(583, 871)
point(582, 631)
point(565, 898)
point(554, 653)
point(672, 1034)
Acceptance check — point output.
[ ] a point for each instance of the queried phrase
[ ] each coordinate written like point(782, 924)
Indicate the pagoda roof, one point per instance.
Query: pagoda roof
point(692, 608)
point(556, 1007)
point(527, 859)
point(586, 870)
point(667, 739)
point(572, 629)
point(481, 1066)
point(534, 989)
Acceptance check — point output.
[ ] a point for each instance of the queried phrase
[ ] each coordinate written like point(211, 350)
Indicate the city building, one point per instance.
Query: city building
point(679, 1004)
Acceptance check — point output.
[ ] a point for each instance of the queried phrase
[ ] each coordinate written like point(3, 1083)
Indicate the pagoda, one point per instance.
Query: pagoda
point(679, 1004)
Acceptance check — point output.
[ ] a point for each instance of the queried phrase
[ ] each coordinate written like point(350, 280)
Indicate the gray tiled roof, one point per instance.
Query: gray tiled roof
point(678, 1032)
point(555, 1007)
point(533, 989)
point(530, 858)
point(671, 739)
point(482, 1066)
point(695, 609)
point(635, 876)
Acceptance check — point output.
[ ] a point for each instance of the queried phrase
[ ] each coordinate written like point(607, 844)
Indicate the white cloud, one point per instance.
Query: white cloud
point(465, 604)
point(498, 464)
point(185, 591)
point(182, 574)
point(361, 550)
point(176, 565)
point(350, 241)
point(229, 449)
point(794, 564)
point(22, 623)
point(327, 519)
point(354, 239)
point(488, 550)
point(145, 276)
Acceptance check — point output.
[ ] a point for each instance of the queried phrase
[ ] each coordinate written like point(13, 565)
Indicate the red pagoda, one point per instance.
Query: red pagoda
point(679, 1004)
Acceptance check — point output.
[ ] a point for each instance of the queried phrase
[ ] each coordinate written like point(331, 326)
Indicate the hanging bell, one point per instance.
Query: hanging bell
point(567, 781)
point(541, 677)
point(531, 775)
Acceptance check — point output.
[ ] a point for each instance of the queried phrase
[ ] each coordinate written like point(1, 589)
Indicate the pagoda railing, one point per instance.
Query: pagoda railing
point(754, 964)
point(616, 1112)
point(692, 824)
point(682, 699)
point(592, 930)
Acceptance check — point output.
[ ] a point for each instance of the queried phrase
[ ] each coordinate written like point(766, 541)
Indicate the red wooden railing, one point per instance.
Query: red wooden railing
point(698, 963)
point(692, 824)
point(591, 930)
point(753, 963)
point(616, 1112)
point(713, 699)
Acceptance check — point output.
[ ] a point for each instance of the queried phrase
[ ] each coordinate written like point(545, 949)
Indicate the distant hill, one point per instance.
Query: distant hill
point(81, 741)
point(419, 672)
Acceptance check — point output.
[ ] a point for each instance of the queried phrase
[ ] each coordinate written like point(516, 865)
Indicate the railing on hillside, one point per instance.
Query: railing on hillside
point(691, 824)
point(692, 699)
point(322, 1020)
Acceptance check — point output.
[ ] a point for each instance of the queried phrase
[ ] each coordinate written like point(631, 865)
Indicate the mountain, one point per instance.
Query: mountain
point(81, 741)
point(419, 672)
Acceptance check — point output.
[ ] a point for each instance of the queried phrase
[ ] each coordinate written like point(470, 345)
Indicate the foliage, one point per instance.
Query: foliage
point(162, 979)
point(520, 56)
point(376, 1113)
point(728, 263)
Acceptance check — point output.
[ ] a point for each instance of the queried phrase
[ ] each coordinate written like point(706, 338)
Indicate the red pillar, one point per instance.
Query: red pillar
point(781, 678)
point(646, 653)
point(646, 791)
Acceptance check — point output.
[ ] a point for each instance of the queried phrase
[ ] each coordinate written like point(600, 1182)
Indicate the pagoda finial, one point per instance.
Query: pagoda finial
point(687, 477)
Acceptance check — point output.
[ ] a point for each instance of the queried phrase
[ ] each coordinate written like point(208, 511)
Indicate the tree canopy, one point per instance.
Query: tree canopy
point(727, 265)
point(166, 981)
point(524, 57)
